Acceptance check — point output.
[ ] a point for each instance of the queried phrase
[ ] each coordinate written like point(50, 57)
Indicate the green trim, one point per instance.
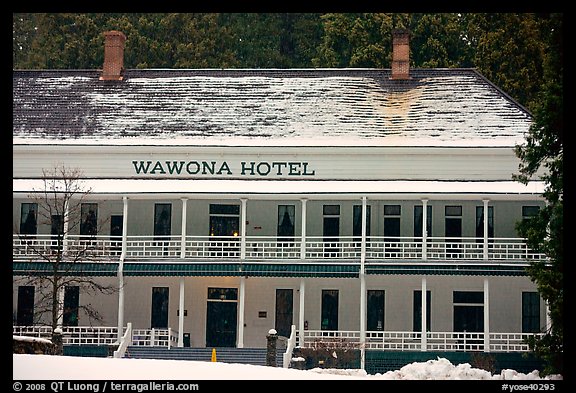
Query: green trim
point(341, 270)
point(448, 270)
point(302, 270)
point(67, 269)
point(181, 269)
point(237, 269)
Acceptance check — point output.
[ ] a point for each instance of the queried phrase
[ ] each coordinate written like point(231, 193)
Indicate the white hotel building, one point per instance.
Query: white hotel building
point(251, 199)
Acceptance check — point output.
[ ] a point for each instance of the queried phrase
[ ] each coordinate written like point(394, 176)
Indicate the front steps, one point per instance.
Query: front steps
point(255, 356)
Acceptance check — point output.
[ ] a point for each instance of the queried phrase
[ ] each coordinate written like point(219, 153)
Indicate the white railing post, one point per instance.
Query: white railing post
point(289, 347)
point(124, 342)
point(152, 337)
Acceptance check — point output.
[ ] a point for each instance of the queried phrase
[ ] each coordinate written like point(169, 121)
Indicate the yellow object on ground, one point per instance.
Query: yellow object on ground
point(213, 354)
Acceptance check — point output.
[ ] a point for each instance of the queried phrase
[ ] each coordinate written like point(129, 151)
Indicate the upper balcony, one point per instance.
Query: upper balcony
point(271, 249)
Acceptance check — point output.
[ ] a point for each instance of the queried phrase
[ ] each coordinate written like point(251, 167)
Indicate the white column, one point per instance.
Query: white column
point(65, 227)
point(181, 314)
point(183, 231)
point(241, 296)
point(303, 232)
point(121, 268)
point(424, 305)
point(363, 243)
point(243, 230)
point(124, 228)
point(60, 307)
point(486, 317)
point(301, 312)
point(485, 243)
point(362, 275)
point(424, 229)
point(242, 293)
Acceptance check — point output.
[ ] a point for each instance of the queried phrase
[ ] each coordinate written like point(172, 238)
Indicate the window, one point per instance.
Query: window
point(392, 221)
point(159, 314)
point(417, 311)
point(116, 229)
point(162, 221)
point(418, 218)
point(392, 230)
point(468, 311)
point(529, 212)
point(28, 218)
point(329, 315)
point(480, 222)
point(223, 293)
point(331, 230)
point(89, 219)
point(25, 307)
point(285, 229)
point(57, 230)
point(530, 312)
point(453, 229)
point(375, 313)
point(71, 304)
point(357, 222)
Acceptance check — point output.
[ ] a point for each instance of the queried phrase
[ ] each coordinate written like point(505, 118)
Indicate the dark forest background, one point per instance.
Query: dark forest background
point(510, 49)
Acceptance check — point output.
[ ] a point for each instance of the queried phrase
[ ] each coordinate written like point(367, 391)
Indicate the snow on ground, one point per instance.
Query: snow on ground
point(47, 367)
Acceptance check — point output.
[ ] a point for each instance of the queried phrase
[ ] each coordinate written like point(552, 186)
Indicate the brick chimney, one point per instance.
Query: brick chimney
point(400, 54)
point(113, 56)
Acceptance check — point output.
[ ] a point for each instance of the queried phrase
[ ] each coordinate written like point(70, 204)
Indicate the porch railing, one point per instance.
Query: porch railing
point(102, 335)
point(412, 341)
point(72, 335)
point(267, 248)
point(381, 340)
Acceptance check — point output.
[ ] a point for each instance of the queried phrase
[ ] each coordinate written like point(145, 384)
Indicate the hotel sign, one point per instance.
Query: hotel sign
point(223, 168)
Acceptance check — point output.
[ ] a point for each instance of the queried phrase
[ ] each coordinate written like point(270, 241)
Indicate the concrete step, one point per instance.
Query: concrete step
point(256, 356)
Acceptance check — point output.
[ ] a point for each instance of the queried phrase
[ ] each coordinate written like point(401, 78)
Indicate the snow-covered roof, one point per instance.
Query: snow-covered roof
point(265, 106)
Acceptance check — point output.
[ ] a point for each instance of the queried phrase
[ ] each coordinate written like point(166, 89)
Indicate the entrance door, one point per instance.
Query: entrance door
point(469, 317)
point(221, 317)
point(224, 230)
point(284, 311)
